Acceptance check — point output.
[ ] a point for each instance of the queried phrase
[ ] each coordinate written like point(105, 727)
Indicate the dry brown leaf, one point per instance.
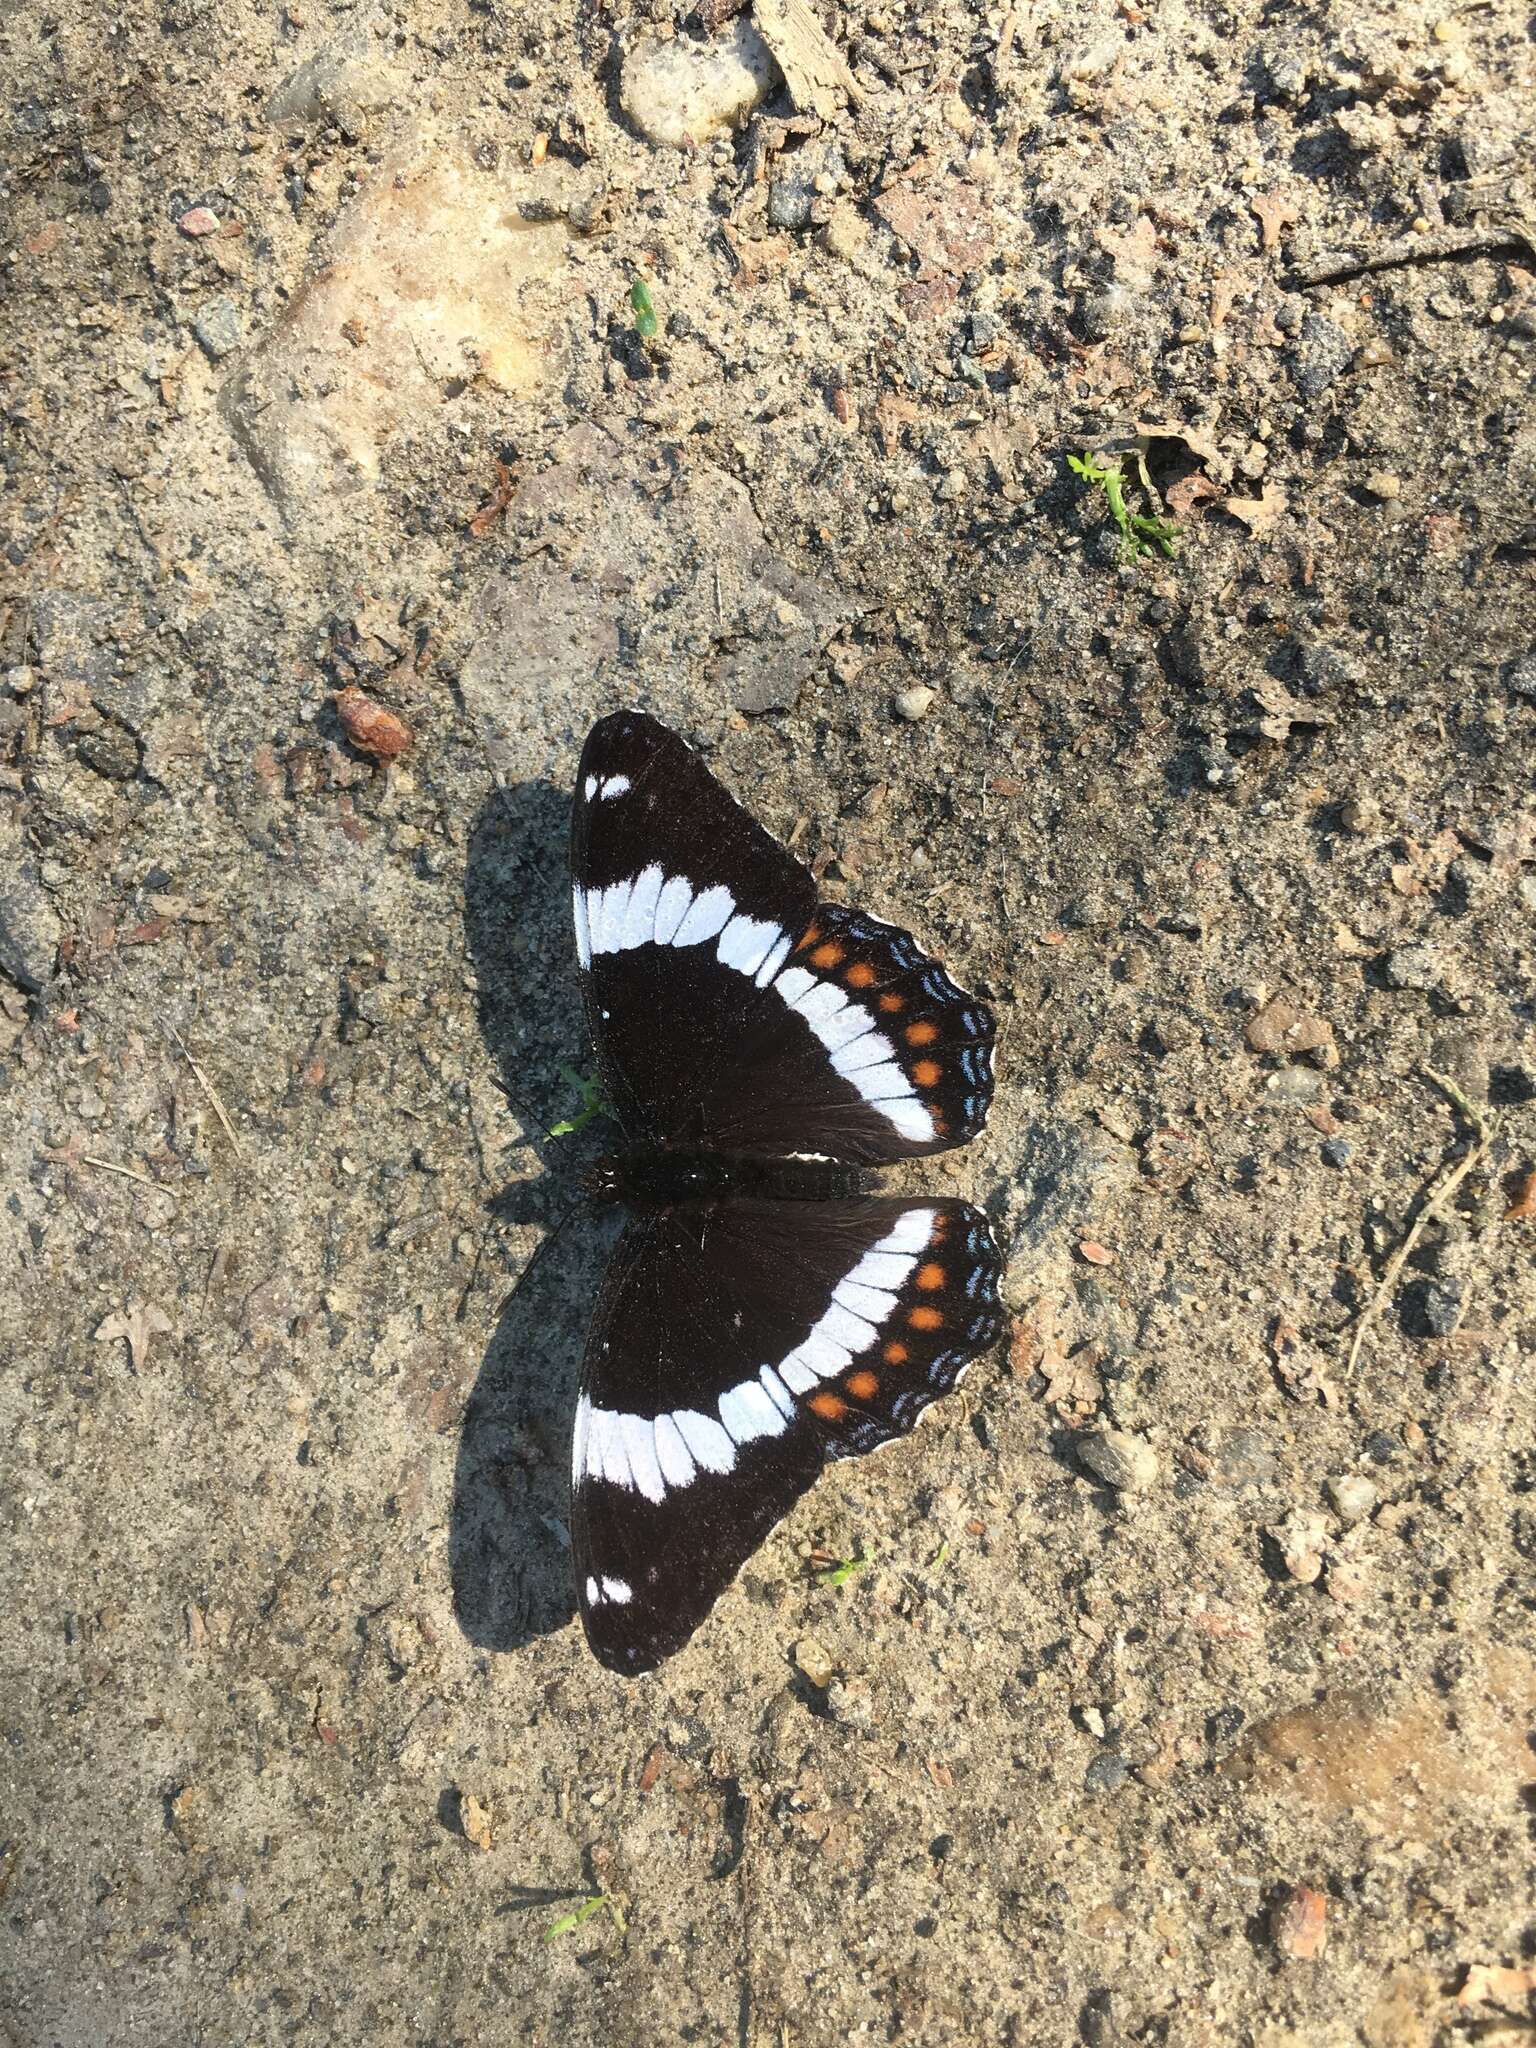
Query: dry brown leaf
point(1260, 515)
point(1273, 211)
point(1523, 1208)
point(140, 1323)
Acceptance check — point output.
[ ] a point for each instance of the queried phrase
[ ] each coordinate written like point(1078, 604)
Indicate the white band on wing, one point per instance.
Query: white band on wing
point(652, 1455)
point(655, 909)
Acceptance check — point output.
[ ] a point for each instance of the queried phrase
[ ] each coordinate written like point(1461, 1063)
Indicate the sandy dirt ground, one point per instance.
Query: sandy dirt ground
point(1185, 1692)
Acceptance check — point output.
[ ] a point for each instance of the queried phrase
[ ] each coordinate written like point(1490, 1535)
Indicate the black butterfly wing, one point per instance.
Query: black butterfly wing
point(736, 1347)
point(729, 1011)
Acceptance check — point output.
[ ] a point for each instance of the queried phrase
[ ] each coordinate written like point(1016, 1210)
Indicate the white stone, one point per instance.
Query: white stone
point(678, 93)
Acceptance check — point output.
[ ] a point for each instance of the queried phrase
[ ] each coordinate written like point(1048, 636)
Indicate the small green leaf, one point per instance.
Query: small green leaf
point(592, 1104)
point(645, 311)
point(840, 1574)
point(569, 1922)
point(940, 1558)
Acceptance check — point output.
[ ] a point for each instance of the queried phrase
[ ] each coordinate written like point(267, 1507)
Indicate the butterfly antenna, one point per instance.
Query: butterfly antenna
point(544, 1244)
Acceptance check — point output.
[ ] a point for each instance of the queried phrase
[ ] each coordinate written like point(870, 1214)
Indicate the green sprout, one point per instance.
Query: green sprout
point(645, 311)
point(1140, 532)
point(593, 1903)
point(840, 1574)
point(592, 1104)
point(940, 1558)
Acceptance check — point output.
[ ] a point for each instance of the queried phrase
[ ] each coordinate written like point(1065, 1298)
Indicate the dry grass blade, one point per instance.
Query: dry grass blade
point(127, 1172)
point(1436, 1195)
point(207, 1087)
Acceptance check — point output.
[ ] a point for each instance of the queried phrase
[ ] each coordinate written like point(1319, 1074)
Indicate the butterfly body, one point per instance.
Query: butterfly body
point(762, 1313)
point(648, 1177)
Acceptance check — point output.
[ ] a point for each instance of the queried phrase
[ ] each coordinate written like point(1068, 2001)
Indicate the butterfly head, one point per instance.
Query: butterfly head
point(604, 1180)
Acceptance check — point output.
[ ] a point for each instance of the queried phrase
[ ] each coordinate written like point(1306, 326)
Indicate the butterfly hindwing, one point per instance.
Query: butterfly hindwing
point(732, 1013)
point(737, 1346)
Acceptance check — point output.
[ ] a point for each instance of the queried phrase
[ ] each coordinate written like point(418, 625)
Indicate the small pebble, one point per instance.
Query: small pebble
point(915, 704)
point(1415, 967)
point(1299, 1923)
point(1353, 1496)
point(1120, 1460)
point(1381, 483)
point(813, 1660)
point(1338, 1152)
point(199, 220)
point(1107, 1773)
point(218, 328)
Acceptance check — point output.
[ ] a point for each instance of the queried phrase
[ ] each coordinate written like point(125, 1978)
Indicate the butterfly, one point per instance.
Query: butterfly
point(762, 1313)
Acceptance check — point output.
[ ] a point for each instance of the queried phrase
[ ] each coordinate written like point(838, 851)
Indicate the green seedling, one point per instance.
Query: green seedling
point(839, 1574)
point(646, 325)
point(593, 1903)
point(1141, 533)
point(939, 1559)
point(592, 1104)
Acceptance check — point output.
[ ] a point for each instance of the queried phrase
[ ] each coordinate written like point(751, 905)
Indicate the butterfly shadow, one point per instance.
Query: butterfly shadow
point(509, 1556)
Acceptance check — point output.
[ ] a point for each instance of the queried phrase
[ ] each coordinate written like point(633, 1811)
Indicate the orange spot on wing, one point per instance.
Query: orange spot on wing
point(810, 938)
point(829, 1407)
point(924, 1318)
point(927, 1073)
point(860, 974)
point(895, 1354)
point(888, 1003)
point(930, 1276)
point(921, 1034)
point(827, 955)
point(862, 1385)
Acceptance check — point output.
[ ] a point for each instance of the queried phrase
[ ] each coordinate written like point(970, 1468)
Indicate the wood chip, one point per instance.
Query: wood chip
point(815, 70)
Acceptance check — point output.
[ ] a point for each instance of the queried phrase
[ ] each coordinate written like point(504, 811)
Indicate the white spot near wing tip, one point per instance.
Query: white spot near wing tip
point(593, 1593)
point(589, 790)
point(619, 1591)
point(616, 785)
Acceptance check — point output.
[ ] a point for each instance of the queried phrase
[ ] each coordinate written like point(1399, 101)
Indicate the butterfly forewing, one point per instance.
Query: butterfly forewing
point(737, 1346)
point(729, 1011)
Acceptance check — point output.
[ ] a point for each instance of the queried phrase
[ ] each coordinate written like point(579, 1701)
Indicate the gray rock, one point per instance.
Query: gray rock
point(1325, 353)
point(1121, 1460)
point(29, 928)
point(795, 190)
point(218, 328)
point(1244, 1457)
point(1322, 668)
point(1417, 967)
point(1107, 1773)
point(1522, 675)
point(1443, 1307)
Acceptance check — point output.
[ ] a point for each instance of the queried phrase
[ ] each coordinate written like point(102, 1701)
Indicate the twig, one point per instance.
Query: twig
point(208, 1088)
point(1436, 1195)
point(106, 1166)
point(1436, 247)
